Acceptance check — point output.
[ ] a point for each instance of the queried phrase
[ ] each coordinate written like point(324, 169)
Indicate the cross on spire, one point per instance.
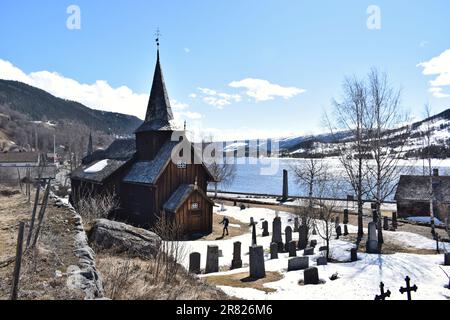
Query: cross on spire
point(157, 35)
point(408, 288)
point(383, 294)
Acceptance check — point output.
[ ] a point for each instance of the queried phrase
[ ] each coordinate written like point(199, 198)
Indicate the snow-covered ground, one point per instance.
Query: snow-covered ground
point(357, 280)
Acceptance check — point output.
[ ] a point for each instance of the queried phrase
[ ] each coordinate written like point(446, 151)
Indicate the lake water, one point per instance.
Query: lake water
point(253, 178)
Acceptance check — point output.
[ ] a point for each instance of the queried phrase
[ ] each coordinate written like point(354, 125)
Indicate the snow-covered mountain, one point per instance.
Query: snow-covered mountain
point(407, 140)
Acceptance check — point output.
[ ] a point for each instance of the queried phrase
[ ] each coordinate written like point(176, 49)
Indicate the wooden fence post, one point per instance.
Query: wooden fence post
point(42, 213)
point(18, 263)
point(33, 216)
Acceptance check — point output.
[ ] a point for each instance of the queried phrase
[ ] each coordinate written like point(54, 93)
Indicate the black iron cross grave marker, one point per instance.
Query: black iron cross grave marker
point(383, 294)
point(408, 288)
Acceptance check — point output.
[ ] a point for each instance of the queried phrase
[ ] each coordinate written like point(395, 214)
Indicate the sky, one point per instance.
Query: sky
point(234, 69)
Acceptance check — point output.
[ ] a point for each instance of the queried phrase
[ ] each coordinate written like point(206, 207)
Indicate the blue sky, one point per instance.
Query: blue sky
point(286, 59)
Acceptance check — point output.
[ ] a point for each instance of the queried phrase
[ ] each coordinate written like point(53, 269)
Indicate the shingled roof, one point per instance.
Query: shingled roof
point(147, 172)
point(120, 149)
point(82, 172)
point(19, 157)
point(159, 113)
point(180, 196)
point(416, 188)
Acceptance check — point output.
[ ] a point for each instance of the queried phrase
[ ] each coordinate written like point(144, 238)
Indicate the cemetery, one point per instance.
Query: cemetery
point(290, 265)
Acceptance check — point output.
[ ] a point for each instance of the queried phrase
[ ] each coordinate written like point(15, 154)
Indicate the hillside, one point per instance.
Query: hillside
point(39, 105)
point(407, 140)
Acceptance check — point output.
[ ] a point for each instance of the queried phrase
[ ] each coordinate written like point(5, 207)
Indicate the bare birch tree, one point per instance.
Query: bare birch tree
point(385, 121)
point(350, 115)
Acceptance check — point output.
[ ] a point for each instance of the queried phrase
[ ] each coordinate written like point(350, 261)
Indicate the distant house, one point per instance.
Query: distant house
point(143, 175)
point(413, 196)
point(20, 159)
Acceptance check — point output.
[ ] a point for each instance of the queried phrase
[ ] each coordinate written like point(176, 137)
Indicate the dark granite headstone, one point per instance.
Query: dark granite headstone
point(298, 263)
point(292, 249)
point(372, 240)
point(322, 261)
point(273, 250)
point(308, 252)
point(265, 226)
point(345, 230)
point(256, 259)
point(288, 237)
point(338, 232)
point(302, 237)
point(236, 263)
point(276, 233)
point(345, 216)
point(212, 259)
point(353, 255)
point(285, 185)
point(311, 276)
point(447, 259)
point(323, 248)
point(194, 263)
point(313, 243)
point(394, 220)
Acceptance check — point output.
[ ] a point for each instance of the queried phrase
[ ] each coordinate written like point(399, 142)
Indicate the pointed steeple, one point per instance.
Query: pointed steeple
point(159, 112)
point(90, 148)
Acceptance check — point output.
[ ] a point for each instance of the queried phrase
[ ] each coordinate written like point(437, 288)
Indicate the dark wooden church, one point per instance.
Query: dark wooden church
point(143, 175)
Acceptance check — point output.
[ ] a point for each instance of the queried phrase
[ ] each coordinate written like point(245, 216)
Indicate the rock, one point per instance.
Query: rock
point(107, 234)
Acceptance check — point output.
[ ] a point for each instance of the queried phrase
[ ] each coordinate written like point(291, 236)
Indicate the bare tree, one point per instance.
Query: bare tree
point(385, 123)
point(222, 170)
point(171, 251)
point(350, 115)
point(326, 207)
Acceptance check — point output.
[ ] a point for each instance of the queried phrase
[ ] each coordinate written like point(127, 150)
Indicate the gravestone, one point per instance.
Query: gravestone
point(252, 221)
point(313, 243)
point(292, 249)
point(372, 239)
point(337, 222)
point(254, 234)
point(353, 255)
point(276, 233)
point(236, 263)
point(308, 252)
point(408, 288)
point(322, 261)
point(194, 263)
point(298, 263)
point(288, 237)
point(375, 216)
point(302, 237)
point(447, 259)
point(257, 268)
point(311, 276)
point(212, 259)
point(242, 206)
point(385, 223)
point(285, 186)
point(345, 230)
point(265, 226)
point(296, 224)
point(394, 220)
point(323, 248)
point(338, 232)
point(345, 216)
point(273, 250)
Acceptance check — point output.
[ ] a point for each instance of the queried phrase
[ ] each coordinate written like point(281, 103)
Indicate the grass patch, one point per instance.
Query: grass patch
point(242, 280)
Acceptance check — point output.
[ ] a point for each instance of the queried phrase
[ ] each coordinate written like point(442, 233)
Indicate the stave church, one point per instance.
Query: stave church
point(141, 173)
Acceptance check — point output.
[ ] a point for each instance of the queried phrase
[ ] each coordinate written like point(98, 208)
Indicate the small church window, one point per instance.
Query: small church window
point(181, 165)
point(194, 206)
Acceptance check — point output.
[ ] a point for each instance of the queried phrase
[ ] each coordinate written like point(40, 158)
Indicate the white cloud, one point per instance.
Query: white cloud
point(187, 50)
point(99, 95)
point(193, 96)
point(440, 67)
point(217, 99)
point(263, 90)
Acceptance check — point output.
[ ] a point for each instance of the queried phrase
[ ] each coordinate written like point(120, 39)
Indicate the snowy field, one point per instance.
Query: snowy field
point(357, 280)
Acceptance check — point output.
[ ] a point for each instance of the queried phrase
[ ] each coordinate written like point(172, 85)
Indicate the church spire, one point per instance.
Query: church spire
point(159, 112)
point(90, 148)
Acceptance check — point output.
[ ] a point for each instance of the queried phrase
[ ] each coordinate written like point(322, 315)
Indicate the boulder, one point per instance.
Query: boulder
point(121, 237)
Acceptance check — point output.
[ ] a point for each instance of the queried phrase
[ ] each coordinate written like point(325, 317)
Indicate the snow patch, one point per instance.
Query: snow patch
point(99, 166)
